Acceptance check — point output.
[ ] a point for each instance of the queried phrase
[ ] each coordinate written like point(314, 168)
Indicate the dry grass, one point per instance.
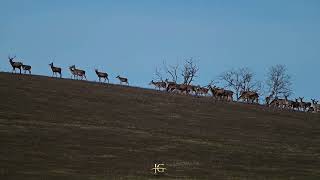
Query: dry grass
point(65, 129)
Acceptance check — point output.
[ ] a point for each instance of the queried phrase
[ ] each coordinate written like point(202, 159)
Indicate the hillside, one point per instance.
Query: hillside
point(66, 129)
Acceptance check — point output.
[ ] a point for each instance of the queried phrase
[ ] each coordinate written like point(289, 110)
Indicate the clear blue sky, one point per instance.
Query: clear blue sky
point(131, 38)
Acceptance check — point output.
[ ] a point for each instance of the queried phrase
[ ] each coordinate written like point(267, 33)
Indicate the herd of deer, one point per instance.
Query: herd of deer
point(245, 96)
point(297, 104)
point(216, 92)
point(76, 73)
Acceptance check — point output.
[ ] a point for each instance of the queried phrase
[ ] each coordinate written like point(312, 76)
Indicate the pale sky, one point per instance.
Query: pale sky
point(132, 38)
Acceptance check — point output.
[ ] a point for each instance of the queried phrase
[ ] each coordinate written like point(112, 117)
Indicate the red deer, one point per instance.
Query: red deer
point(201, 90)
point(26, 68)
point(77, 72)
point(249, 95)
point(304, 105)
point(315, 105)
point(216, 92)
point(288, 103)
point(55, 70)
point(15, 65)
point(123, 80)
point(229, 95)
point(295, 105)
point(220, 93)
point(159, 84)
point(171, 86)
point(102, 75)
point(279, 103)
point(268, 98)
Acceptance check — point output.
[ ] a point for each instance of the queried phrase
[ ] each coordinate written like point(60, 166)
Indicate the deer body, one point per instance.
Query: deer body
point(249, 95)
point(77, 72)
point(158, 85)
point(15, 65)
point(304, 105)
point(171, 86)
point(26, 68)
point(123, 80)
point(102, 75)
point(55, 70)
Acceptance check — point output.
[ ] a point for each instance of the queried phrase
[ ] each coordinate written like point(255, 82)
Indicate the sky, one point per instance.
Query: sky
point(132, 38)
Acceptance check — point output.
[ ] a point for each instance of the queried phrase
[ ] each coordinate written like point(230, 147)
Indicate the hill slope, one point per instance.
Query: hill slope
point(66, 129)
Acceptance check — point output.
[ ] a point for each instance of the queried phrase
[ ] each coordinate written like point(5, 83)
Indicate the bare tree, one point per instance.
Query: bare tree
point(172, 71)
point(278, 81)
point(158, 74)
point(189, 71)
point(241, 79)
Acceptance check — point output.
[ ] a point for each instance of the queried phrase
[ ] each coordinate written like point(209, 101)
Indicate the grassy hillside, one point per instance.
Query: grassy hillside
point(65, 129)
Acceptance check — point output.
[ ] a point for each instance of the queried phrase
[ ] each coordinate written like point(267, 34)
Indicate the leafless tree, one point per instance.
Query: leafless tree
point(241, 79)
point(172, 71)
point(278, 81)
point(158, 74)
point(189, 71)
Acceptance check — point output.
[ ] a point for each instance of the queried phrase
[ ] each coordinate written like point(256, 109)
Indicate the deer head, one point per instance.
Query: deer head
point(11, 58)
point(314, 101)
point(301, 99)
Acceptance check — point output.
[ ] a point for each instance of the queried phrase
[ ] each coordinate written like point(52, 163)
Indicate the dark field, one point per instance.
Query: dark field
point(66, 129)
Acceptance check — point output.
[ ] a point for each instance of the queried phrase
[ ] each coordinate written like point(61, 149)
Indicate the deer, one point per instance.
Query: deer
point(55, 70)
point(228, 95)
point(289, 103)
point(315, 105)
point(182, 88)
point(123, 80)
point(249, 95)
point(304, 105)
point(102, 75)
point(217, 93)
point(159, 84)
point(15, 65)
point(267, 100)
point(280, 103)
point(201, 90)
point(171, 86)
point(77, 72)
point(26, 68)
point(295, 104)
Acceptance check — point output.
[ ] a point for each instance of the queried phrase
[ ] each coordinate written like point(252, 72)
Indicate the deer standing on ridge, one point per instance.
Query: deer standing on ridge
point(158, 85)
point(26, 68)
point(15, 65)
point(77, 72)
point(102, 75)
point(123, 80)
point(55, 70)
point(304, 105)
